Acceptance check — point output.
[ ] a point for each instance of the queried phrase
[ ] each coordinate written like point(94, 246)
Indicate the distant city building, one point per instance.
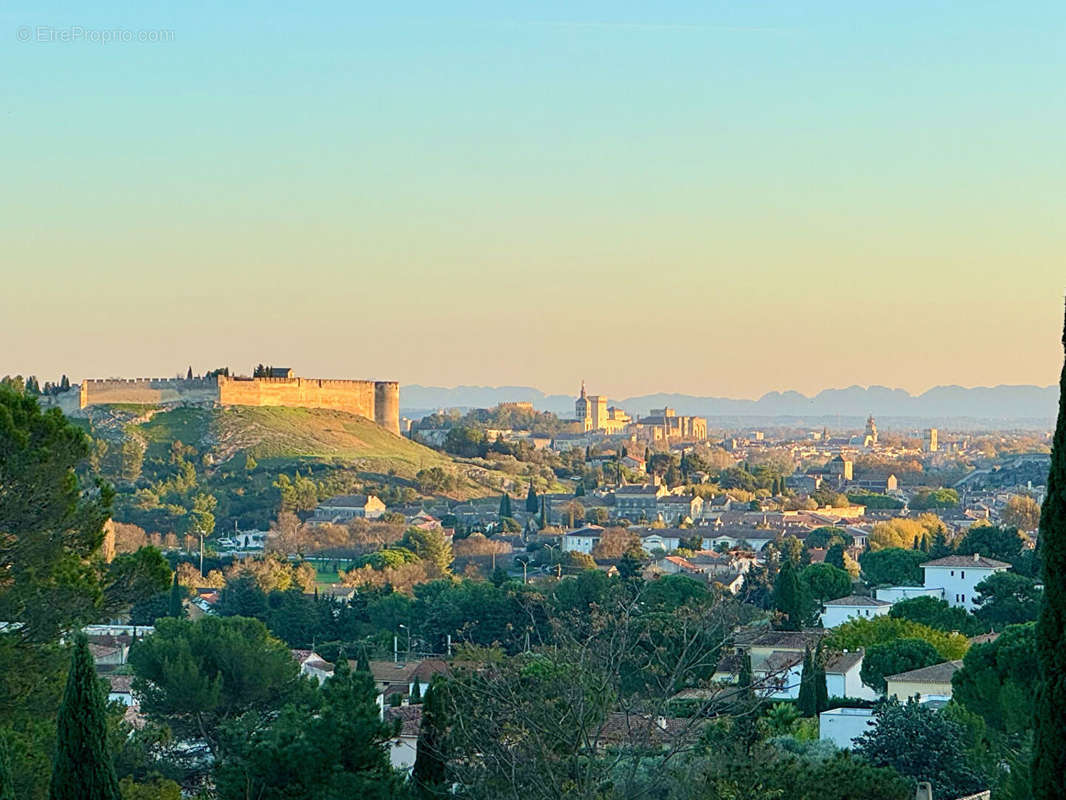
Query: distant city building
point(664, 425)
point(929, 440)
point(870, 436)
point(843, 469)
point(593, 414)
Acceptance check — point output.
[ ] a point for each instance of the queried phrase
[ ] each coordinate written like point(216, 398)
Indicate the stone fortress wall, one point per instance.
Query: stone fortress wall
point(375, 400)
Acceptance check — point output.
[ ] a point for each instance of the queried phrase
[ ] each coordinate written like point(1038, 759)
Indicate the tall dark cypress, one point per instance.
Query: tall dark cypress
point(429, 774)
point(531, 499)
point(505, 506)
point(1049, 747)
point(746, 710)
point(83, 769)
point(174, 607)
point(821, 687)
point(362, 664)
point(807, 702)
point(788, 597)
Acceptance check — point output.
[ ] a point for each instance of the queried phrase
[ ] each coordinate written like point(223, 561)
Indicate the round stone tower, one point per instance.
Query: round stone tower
point(387, 405)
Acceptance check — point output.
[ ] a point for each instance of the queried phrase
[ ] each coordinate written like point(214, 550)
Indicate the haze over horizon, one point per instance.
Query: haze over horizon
point(722, 200)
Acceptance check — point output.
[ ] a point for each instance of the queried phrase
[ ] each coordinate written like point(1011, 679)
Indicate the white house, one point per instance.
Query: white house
point(842, 677)
point(842, 726)
point(852, 607)
point(958, 576)
point(119, 689)
point(582, 540)
point(893, 594)
point(404, 748)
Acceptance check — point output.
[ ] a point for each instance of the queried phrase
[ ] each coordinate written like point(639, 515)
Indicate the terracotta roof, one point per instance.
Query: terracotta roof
point(984, 638)
point(842, 662)
point(345, 501)
point(430, 667)
point(937, 673)
point(409, 716)
point(857, 600)
point(120, 683)
point(622, 727)
point(976, 561)
point(779, 640)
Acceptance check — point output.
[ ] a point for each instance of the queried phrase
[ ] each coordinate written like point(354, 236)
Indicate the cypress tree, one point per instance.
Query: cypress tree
point(505, 506)
point(784, 485)
point(789, 597)
point(362, 664)
point(745, 719)
point(82, 769)
point(807, 702)
point(531, 499)
point(1049, 744)
point(174, 607)
point(429, 774)
point(821, 688)
point(416, 693)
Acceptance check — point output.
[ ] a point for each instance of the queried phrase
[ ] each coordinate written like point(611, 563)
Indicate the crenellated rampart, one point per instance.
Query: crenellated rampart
point(376, 400)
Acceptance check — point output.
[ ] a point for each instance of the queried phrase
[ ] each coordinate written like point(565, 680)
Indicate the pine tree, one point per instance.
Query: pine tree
point(807, 702)
point(174, 607)
point(82, 769)
point(505, 506)
point(7, 784)
point(834, 556)
point(429, 774)
point(531, 499)
point(821, 687)
point(1049, 745)
point(940, 546)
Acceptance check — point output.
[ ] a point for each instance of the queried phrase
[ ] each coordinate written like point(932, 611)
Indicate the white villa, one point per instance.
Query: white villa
point(851, 607)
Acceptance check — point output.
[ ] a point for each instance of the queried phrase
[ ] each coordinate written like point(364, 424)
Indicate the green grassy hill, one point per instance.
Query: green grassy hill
point(239, 458)
point(287, 435)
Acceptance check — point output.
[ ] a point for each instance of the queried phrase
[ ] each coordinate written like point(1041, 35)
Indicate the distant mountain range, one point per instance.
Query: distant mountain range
point(981, 406)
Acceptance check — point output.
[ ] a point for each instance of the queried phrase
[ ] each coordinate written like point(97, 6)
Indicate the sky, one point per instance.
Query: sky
point(710, 198)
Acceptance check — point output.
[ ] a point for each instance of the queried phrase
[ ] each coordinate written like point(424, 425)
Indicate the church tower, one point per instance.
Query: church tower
point(582, 410)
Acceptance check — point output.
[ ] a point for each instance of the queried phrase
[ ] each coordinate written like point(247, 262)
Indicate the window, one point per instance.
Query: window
point(963, 573)
point(964, 598)
point(953, 573)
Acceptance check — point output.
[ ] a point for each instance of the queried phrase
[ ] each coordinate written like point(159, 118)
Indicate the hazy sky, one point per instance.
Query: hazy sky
point(713, 198)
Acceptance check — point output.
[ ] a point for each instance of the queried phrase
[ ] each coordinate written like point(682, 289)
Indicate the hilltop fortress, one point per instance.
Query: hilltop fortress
point(376, 400)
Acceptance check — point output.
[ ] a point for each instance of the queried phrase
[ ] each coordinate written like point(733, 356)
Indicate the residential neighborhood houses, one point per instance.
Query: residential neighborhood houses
point(864, 550)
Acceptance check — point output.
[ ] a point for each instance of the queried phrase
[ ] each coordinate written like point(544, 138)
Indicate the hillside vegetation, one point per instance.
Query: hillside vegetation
point(241, 465)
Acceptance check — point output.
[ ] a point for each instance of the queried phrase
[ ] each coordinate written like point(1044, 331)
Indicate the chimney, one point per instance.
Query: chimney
point(976, 558)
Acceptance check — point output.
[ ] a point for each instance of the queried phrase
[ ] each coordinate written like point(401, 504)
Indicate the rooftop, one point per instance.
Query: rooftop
point(976, 561)
point(857, 600)
point(937, 673)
